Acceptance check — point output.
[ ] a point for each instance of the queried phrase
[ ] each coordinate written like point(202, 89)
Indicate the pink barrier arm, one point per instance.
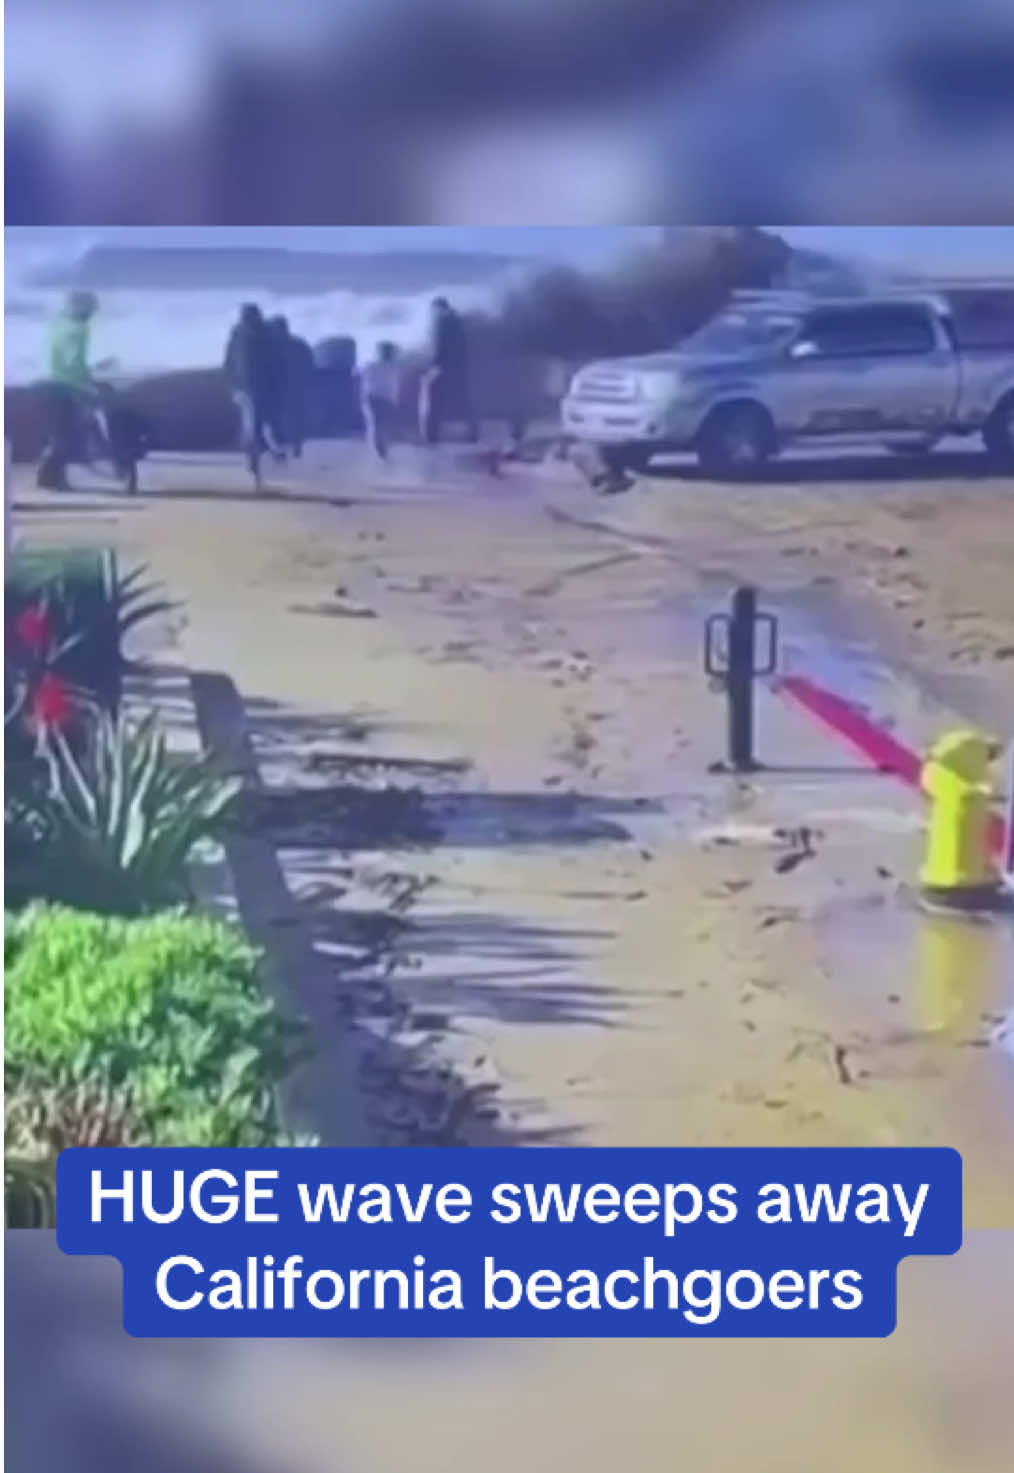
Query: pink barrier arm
point(878, 747)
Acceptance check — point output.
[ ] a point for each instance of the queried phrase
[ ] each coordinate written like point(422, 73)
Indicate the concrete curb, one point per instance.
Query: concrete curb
point(322, 1096)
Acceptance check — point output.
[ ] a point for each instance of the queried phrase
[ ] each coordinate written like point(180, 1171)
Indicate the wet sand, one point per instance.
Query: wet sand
point(594, 937)
point(924, 549)
point(603, 942)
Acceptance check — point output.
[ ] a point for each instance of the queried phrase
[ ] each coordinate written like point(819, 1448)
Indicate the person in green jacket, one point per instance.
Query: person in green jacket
point(69, 384)
point(69, 343)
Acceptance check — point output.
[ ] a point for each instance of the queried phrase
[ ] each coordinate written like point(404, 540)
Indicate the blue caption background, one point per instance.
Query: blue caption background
point(672, 1242)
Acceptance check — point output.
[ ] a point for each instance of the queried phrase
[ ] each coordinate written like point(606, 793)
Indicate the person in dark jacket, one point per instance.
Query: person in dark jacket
point(293, 373)
point(445, 392)
point(126, 433)
point(249, 369)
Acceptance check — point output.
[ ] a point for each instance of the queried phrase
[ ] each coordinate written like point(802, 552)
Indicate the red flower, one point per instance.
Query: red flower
point(51, 703)
point(33, 628)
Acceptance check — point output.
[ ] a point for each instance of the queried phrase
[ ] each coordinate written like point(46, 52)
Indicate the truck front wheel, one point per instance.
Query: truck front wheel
point(998, 433)
point(737, 439)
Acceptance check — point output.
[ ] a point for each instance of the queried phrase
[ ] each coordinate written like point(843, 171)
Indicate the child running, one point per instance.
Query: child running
point(379, 387)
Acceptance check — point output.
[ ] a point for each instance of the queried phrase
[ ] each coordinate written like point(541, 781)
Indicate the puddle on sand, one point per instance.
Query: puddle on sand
point(814, 637)
point(925, 1008)
point(853, 648)
point(904, 971)
point(837, 642)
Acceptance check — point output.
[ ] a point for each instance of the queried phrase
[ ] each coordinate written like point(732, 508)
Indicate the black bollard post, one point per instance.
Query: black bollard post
point(740, 680)
point(738, 668)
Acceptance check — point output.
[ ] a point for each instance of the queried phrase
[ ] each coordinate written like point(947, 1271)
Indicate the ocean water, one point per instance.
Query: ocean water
point(153, 330)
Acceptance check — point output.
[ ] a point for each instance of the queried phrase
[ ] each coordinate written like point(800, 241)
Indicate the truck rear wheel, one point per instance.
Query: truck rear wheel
point(998, 433)
point(737, 440)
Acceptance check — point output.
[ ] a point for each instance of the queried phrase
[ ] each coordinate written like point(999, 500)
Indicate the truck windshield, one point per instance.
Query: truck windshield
point(740, 332)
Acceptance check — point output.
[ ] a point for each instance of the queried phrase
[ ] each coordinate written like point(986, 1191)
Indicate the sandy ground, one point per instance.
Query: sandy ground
point(608, 944)
point(930, 552)
point(605, 942)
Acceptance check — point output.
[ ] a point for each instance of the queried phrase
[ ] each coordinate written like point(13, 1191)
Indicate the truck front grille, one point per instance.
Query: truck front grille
point(606, 388)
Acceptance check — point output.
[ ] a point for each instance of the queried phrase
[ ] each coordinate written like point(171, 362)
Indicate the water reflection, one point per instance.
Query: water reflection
point(959, 961)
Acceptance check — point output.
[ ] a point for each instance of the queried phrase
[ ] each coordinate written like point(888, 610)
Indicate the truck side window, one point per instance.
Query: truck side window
point(874, 331)
point(983, 318)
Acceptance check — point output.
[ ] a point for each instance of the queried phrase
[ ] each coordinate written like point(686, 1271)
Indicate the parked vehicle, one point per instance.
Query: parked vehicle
point(780, 368)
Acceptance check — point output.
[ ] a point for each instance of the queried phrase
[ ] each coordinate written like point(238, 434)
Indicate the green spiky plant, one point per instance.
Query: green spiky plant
point(115, 824)
point(131, 602)
point(89, 610)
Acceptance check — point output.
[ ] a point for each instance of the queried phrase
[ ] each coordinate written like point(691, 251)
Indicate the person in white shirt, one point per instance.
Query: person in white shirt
point(380, 393)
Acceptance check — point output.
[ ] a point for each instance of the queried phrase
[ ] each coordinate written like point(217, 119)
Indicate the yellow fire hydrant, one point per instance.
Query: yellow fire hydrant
point(959, 868)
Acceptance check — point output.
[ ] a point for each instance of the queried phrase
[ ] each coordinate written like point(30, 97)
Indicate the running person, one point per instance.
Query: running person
point(380, 389)
point(445, 391)
point(249, 369)
point(69, 388)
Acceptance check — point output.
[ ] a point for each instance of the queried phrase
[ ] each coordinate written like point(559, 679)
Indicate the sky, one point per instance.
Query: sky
point(937, 247)
point(940, 247)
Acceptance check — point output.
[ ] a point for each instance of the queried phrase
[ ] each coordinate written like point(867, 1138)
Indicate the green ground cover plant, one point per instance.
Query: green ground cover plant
point(160, 1026)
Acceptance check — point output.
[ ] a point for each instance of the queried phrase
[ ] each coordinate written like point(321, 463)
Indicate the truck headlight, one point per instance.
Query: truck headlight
point(658, 387)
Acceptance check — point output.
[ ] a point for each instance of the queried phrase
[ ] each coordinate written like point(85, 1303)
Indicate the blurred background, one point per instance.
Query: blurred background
point(933, 1398)
point(509, 111)
point(168, 295)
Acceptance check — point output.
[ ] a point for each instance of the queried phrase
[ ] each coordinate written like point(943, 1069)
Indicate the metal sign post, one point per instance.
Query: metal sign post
point(730, 655)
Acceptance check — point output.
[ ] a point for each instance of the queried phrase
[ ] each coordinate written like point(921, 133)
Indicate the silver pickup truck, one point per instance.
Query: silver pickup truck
point(906, 369)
